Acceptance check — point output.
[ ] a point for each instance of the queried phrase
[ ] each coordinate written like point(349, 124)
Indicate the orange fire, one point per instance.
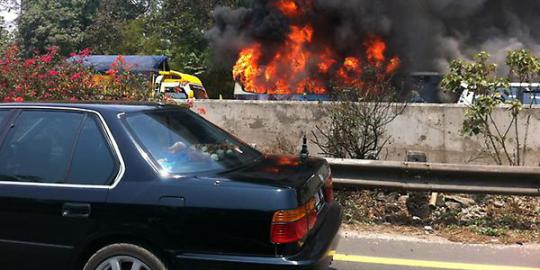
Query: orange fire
point(350, 72)
point(247, 67)
point(302, 63)
point(326, 59)
point(393, 65)
point(288, 8)
point(375, 49)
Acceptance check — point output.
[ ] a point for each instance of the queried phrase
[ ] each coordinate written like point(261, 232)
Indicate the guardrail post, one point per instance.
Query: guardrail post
point(418, 203)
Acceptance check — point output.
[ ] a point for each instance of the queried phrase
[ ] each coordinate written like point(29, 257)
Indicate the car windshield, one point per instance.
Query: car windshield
point(175, 93)
point(181, 142)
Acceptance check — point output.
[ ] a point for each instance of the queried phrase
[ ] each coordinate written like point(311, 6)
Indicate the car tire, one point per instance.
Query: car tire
point(124, 252)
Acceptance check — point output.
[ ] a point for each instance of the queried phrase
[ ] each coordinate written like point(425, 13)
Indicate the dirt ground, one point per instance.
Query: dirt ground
point(458, 218)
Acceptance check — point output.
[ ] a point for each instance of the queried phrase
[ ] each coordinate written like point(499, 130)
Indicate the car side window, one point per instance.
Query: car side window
point(39, 146)
point(93, 162)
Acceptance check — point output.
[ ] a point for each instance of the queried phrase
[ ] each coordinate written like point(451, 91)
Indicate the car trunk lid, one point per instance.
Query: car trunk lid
point(306, 177)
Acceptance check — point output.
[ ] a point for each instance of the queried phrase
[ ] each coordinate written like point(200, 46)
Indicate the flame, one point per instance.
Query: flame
point(303, 63)
point(350, 72)
point(247, 68)
point(288, 8)
point(326, 60)
point(393, 65)
point(270, 78)
point(375, 49)
point(351, 63)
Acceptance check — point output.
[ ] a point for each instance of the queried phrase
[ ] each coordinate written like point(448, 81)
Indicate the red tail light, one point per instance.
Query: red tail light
point(329, 190)
point(290, 226)
point(289, 232)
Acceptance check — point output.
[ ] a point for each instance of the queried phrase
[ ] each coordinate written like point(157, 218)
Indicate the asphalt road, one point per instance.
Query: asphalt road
point(365, 251)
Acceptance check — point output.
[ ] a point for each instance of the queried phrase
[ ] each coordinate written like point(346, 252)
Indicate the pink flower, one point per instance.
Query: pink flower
point(8, 99)
point(19, 99)
point(29, 62)
point(46, 58)
point(52, 72)
point(85, 52)
point(111, 72)
point(76, 76)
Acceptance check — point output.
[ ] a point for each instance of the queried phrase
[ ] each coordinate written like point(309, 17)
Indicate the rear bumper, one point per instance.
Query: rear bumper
point(317, 253)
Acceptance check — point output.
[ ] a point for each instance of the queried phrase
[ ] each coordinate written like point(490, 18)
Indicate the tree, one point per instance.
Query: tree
point(5, 36)
point(357, 120)
point(45, 23)
point(502, 140)
point(110, 33)
point(76, 24)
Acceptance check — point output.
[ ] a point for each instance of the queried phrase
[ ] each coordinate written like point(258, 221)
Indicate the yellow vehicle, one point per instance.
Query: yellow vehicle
point(180, 86)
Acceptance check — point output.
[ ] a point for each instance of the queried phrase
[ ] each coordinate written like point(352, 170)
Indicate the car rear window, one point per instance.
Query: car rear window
point(93, 161)
point(181, 142)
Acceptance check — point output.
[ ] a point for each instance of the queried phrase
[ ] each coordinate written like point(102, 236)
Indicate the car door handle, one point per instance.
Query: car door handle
point(76, 210)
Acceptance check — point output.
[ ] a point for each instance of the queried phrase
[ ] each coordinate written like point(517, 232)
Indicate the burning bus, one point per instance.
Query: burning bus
point(289, 54)
point(301, 69)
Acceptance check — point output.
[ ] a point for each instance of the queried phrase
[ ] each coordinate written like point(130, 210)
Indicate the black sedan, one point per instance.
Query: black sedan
point(153, 187)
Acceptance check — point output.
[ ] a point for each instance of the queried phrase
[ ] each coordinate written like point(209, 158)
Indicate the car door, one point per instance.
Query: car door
point(56, 168)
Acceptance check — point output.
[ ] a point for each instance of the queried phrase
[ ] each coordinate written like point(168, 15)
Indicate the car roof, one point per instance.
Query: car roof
point(115, 107)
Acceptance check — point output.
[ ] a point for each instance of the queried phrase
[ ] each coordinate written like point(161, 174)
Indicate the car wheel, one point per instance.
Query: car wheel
point(124, 257)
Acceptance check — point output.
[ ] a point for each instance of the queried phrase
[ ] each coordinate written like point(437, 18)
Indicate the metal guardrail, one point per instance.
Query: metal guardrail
point(436, 177)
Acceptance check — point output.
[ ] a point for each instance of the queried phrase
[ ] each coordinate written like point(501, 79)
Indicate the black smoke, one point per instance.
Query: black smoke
point(425, 34)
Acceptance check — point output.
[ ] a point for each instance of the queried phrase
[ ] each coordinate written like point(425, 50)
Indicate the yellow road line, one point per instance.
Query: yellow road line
point(424, 264)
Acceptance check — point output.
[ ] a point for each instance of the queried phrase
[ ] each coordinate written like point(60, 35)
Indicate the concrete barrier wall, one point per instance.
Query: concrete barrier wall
point(432, 128)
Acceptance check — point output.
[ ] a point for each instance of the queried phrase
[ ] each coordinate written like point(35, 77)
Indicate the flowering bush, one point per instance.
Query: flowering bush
point(120, 83)
point(50, 76)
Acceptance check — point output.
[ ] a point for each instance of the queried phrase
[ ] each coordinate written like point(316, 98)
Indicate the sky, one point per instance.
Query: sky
point(9, 18)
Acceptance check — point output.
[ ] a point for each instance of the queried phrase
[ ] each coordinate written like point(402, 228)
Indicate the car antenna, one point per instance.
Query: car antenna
point(304, 153)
